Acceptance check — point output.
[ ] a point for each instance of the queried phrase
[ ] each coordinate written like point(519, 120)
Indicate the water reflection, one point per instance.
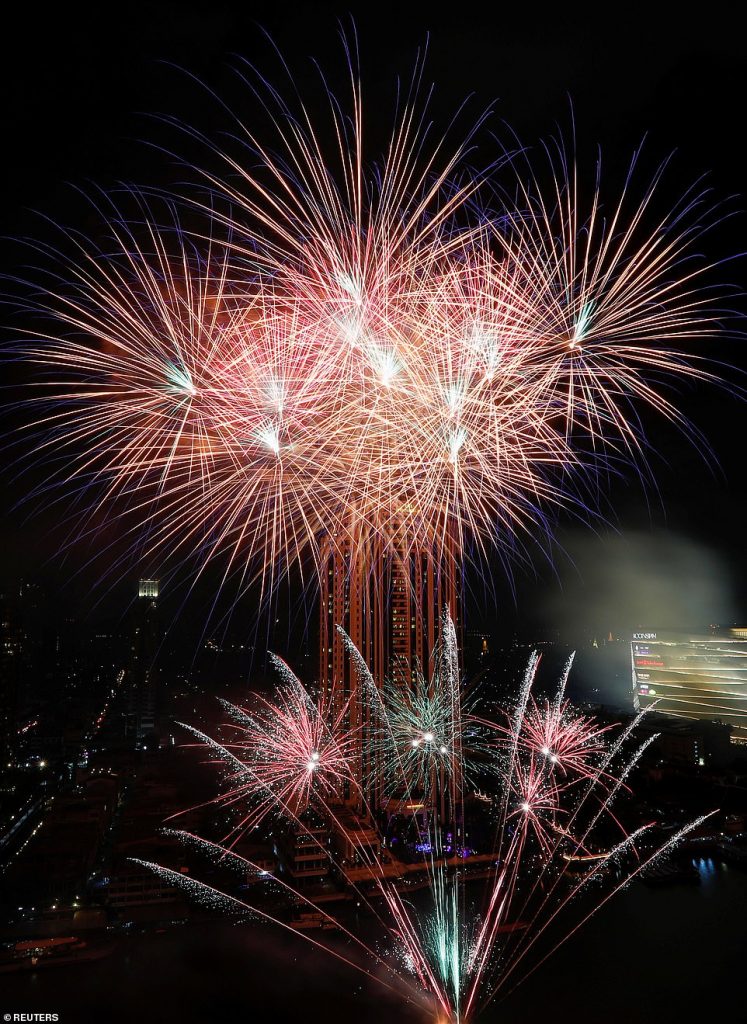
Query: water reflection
point(654, 955)
point(708, 869)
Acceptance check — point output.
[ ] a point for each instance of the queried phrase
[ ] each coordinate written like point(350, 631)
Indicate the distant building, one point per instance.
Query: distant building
point(694, 742)
point(28, 656)
point(355, 840)
point(11, 655)
point(147, 588)
point(476, 651)
point(303, 851)
point(134, 886)
point(143, 690)
point(693, 676)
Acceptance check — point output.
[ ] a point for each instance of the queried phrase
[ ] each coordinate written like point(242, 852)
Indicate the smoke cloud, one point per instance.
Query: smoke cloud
point(656, 580)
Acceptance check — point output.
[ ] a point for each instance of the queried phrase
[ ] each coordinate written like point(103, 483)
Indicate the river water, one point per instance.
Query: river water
point(651, 956)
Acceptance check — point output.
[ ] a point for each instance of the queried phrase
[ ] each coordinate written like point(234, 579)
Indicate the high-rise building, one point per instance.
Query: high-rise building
point(142, 693)
point(11, 655)
point(27, 659)
point(148, 588)
point(389, 600)
point(693, 675)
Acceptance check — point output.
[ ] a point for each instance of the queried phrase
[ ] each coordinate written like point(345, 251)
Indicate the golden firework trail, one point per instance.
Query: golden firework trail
point(351, 347)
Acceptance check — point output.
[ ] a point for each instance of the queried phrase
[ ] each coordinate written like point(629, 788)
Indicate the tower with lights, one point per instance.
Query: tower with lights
point(145, 638)
point(389, 599)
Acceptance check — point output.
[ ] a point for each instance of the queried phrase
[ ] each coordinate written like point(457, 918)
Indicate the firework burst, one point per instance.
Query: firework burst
point(550, 839)
point(284, 755)
point(420, 730)
point(374, 349)
point(361, 349)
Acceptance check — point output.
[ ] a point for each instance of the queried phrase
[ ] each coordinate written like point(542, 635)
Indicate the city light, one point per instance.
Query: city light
point(364, 373)
point(460, 961)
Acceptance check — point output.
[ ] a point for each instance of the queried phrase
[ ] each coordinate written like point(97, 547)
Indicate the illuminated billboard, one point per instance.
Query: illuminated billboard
point(693, 676)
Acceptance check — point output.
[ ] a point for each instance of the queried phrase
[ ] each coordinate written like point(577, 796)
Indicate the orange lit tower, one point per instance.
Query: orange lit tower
point(389, 600)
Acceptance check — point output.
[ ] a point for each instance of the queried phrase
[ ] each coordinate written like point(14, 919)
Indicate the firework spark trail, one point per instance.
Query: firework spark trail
point(660, 852)
point(620, 781)
point(213, 898)
point(374, 696)
point(549, 908)
point(365, 350)
point(541, 918)
point(441, 979)
point(508, 760)
point(568, 741)
point(420, 732)
point(524, 734)
point(402, 924)
point(265, 798)
point(374, 351)
point(221, 854)
point(560, 694)
point(460, 960)
point(243, 782)
point(535, 800)
point(507, 858)
point(274, 453)
point(550, 729)
point(286, 753)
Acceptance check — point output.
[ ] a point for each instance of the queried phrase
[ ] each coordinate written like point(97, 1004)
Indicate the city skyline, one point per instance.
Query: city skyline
point(373, 579)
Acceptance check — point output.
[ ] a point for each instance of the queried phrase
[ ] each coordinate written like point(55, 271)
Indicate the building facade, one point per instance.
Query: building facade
point(142, 699)
point(693, 676)
point(390, 601)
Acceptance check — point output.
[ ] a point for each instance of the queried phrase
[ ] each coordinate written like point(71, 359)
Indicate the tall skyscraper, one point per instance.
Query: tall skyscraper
point(142, 695)
point(27, 658)
point(148, 588)
point(389, 600)
point(11, 655)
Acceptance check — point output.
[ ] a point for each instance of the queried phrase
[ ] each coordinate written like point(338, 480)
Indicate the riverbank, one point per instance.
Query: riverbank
point(652, 955)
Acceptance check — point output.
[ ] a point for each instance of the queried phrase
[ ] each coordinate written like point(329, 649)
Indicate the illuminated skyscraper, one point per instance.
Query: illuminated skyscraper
point(143, 675)
point(148, 589)
point(389, 601)
point(11, 657)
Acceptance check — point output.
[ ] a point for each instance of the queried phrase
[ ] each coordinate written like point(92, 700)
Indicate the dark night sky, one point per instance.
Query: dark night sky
point(78, 89)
